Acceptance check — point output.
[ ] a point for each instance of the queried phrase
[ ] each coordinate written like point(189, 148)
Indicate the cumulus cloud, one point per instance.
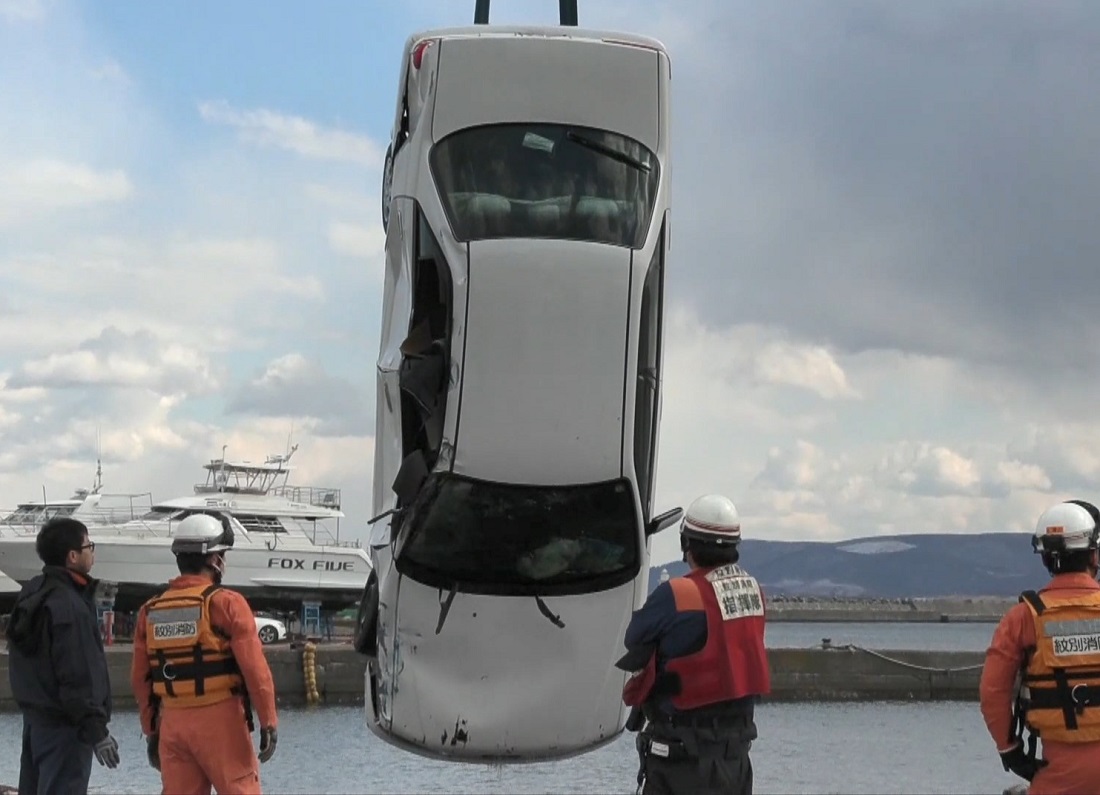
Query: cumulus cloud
point(41, 185)
point(1068, 451)
point(119, 359)
point(294, 133)
point(930, 470)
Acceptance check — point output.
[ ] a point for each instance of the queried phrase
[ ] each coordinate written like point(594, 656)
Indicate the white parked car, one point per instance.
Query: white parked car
point(271, 630)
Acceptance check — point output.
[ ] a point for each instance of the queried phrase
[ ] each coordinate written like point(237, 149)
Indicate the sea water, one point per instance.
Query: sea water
point(872, 747)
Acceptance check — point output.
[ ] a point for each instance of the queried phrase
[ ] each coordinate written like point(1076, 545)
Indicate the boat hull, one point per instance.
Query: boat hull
point(279, 578)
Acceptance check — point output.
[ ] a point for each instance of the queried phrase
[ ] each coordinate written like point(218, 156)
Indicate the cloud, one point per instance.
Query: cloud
point(111, 70)
point(294, 386)
point(930, 470)
point(1068, 451)
point(119, 359)
point(880, 296)
point(42, 185)
point(357, 240)
point(884, 177)
point(810, 367)
point(22, 10)
point(298, 135)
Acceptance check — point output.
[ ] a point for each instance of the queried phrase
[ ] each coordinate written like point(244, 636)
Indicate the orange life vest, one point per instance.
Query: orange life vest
point(1060, 690)
point(190, 661)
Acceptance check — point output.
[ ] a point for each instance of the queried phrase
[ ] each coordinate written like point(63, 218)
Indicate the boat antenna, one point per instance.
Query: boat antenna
point(98, 484)
point(43, 494)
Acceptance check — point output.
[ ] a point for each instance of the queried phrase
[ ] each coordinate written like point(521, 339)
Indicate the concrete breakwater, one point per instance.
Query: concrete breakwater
point(865, 610)
point(839, 674)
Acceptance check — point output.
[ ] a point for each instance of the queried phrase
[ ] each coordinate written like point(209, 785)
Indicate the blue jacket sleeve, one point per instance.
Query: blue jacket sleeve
point(653, 619)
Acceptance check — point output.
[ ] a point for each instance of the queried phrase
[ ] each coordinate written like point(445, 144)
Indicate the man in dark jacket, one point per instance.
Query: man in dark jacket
point(698, 663)
point(57, 667)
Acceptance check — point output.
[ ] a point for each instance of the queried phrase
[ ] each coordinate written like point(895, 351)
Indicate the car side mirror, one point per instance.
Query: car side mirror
point(660, 522)
point(381, 534)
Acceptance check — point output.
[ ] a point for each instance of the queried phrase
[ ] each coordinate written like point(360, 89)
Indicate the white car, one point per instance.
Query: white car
point(518, 388)
point(271, 630)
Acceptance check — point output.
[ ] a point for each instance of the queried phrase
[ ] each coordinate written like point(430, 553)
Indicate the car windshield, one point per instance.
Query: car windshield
point(546, 181)
point(498, 538)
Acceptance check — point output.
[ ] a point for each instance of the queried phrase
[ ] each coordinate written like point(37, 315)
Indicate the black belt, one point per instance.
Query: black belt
point(720, 723)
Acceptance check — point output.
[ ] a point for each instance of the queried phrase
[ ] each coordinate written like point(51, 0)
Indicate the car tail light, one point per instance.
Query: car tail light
point(418, 51)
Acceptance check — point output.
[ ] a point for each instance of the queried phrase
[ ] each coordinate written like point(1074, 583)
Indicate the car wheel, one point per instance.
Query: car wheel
point(268, 635)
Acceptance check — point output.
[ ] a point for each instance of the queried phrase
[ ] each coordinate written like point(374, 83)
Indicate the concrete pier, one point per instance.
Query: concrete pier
point(840, 674)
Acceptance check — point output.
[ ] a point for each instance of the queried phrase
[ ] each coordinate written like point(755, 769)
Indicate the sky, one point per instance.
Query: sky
point(883, 294)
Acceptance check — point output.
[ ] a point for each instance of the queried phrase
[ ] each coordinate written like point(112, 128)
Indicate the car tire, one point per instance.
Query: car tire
point(268, 635)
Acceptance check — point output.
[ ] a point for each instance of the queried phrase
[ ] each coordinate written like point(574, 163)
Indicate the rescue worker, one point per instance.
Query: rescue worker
point(1042, 668)
point(198, 666)
point(696, 653)
point(57, 666)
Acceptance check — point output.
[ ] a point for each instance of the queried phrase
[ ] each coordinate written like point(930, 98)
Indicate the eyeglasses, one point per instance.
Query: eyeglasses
point(90, 545)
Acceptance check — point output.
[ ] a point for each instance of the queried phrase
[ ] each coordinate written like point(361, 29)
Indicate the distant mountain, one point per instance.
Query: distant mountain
point(937, 565)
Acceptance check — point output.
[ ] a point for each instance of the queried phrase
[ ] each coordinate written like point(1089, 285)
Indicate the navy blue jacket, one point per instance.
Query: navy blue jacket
point(56, 663)
point(675, 634)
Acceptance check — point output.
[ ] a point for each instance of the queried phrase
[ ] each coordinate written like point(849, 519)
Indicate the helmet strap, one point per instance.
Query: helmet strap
point(215, 561)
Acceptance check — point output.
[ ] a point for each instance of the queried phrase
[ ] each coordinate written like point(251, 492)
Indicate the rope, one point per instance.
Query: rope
point(904, 664)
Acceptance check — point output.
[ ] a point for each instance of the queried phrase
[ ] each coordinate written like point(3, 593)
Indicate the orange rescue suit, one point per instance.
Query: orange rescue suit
point(190, 661)
point(733, 663)
point(209, 744)
point(1062, 679)
point(1073, 767)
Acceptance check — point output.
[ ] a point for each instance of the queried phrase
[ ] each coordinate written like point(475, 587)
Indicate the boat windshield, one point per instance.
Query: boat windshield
point(546, 181)
point(37, 514)
point(488, 537)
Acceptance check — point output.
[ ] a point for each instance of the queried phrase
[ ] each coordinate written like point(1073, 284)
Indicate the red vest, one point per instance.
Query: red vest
point(733, 663)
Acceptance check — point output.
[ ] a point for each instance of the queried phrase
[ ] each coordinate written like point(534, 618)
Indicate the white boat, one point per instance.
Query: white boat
point(286, 549)
point(91, 506)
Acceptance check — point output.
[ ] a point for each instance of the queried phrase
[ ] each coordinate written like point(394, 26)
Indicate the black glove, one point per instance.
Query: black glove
point(152, 751)
point(1020, 763)
point(268, 738)
point(106, 752)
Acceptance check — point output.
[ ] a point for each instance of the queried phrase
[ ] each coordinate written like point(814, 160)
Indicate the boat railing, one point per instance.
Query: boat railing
point(321, 535)
point(227, 488)
point(17, 529)
point(310, 495)
point(117, 508)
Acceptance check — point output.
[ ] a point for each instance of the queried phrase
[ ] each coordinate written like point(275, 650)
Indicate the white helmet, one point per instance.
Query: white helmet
point(1067, 527)
point(713, 519)
point(202, 533)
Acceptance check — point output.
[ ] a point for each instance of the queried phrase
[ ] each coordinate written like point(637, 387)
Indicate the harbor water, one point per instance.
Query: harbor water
point(914, 636)
point(874, 747)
